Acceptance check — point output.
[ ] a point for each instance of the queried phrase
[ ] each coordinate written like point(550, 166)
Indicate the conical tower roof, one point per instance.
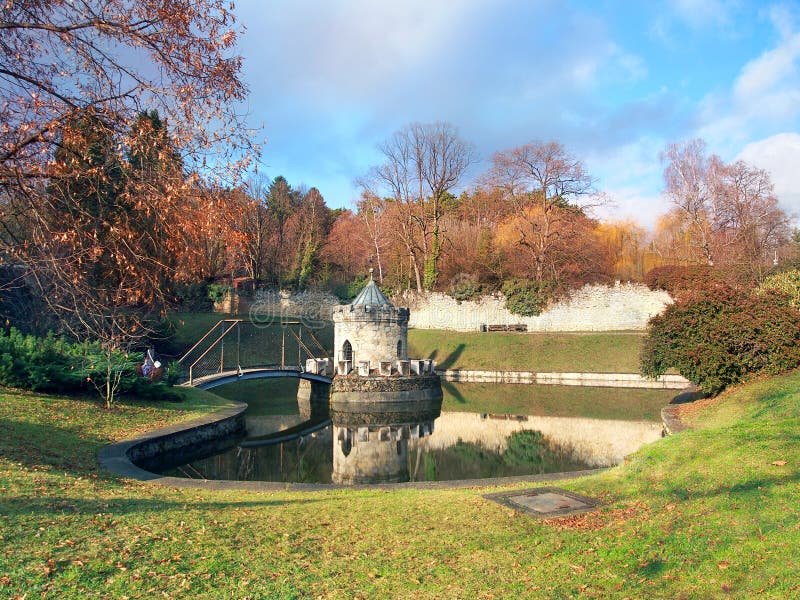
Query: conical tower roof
point(371, 295)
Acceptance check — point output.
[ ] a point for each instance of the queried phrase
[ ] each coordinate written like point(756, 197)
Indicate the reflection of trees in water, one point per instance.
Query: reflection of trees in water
point(245, 464)
point(528, 452)
point(306, 459)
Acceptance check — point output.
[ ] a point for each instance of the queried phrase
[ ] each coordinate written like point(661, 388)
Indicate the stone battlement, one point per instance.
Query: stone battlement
point(371, 313)
point(386, 368)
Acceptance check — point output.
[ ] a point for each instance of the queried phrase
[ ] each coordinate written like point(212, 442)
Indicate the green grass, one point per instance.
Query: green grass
point(548, 352)
point(556, 401)
point(259, 343)
point(274, 396)
point(703, 514)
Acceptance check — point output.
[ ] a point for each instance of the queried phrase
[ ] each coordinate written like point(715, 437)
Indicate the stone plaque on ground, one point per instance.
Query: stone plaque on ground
point(545, 502)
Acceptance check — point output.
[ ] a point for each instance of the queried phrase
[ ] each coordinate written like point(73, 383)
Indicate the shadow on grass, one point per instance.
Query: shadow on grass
point(26, 505)
point(454, 392)
point(451, 359)
point(34, 445)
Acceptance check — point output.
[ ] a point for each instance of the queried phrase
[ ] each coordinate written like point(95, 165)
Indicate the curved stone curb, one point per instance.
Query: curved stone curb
point(118, 459)
point(671, 421)
point(669, 414)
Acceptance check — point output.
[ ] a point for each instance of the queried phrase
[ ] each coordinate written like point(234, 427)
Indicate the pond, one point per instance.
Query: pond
point(530, 430)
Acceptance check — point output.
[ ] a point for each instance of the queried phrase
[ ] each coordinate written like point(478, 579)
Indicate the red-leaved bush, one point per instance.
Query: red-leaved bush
point(717, 336)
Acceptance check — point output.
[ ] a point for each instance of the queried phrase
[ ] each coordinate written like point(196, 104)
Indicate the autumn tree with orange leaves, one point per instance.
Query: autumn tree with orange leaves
point(550, 192)
point(90, 225)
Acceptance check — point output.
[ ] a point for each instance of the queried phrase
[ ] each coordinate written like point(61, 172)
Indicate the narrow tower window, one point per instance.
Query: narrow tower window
point(347, 351)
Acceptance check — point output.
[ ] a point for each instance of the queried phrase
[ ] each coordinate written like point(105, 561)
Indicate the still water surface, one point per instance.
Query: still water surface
point(462, 445)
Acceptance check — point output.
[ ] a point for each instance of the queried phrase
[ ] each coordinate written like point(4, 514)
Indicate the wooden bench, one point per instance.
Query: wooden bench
point(514, 327)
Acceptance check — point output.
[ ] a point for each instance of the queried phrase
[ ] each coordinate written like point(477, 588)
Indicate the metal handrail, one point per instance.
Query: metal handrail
point(209, 332)
point(219, 339)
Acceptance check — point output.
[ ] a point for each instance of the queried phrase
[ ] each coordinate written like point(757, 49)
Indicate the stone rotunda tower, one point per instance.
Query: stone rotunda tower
point(380, 399)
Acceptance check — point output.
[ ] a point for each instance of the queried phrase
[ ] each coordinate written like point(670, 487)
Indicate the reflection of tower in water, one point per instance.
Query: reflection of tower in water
point(370, 444)
point(380, 399)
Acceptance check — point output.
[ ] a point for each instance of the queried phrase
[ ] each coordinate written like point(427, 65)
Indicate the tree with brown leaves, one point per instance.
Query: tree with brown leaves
point(75, 78)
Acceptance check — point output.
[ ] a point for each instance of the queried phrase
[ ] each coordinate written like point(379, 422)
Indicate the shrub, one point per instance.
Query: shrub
point(676, 278)
point(193, 297)
point(346, 292)
point(526, 297)
point(465, 287)
point(718, 336)
point(787, 282)
point(53, 364)
point(217, 292)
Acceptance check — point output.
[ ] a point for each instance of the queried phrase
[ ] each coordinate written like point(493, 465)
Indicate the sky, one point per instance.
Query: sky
point(614, 81)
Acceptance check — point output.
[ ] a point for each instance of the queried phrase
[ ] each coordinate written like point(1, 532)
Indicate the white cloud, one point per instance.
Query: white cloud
point(780, 156)
point(771, 71)
point(701, 13)
point(631, 175)
point(762, 100)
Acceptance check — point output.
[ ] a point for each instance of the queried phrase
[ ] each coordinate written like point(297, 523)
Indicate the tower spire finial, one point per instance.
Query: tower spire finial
point(370, 273)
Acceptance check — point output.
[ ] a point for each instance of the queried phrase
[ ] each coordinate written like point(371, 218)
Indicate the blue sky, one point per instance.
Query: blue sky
point(613, 81)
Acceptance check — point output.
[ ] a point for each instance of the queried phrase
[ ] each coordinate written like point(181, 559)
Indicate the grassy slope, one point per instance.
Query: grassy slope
point(557, 352)
point(703, 514)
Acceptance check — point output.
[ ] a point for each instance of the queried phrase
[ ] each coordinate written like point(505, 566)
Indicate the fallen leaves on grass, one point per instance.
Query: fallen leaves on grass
point(778, 463)
point(597, 520)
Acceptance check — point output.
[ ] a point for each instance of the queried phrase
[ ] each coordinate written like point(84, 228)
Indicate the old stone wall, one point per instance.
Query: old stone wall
point(592, 308)
point(265, 303)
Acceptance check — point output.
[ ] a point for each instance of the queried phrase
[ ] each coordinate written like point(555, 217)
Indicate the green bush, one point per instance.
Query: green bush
point(526, 297)
point(53, 364)
point(718, 336)
point(787, 282)
point(465, 288)
point(193, 297)
point(218, 291)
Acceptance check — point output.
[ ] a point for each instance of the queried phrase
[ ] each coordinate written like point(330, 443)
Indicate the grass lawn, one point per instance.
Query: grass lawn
point(558, 352)
point(259, 343)
point(273, 396)
point(711, 513)
point(549, 352)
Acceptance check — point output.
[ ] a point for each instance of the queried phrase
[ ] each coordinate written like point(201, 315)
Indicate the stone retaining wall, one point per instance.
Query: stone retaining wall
point(592, 308)
point(619, 380)
point(176, 444)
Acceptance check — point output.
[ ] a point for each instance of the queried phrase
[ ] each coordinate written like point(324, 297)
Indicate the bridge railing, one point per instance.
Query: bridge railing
point(236, 345)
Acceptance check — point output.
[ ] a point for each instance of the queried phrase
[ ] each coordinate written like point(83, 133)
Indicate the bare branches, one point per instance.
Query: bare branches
point(550, 191)
point(423, 163)
point(729, 212)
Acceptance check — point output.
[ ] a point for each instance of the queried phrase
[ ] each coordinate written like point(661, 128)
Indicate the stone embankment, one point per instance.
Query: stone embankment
point(619, 380)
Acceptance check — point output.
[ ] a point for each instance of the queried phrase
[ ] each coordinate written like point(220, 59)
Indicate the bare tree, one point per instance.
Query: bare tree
point(256, 226)
point(729, 211)
point(549, 189)
point(688, 176)
point(748, 215)
point(372, 212)
point(423, 163)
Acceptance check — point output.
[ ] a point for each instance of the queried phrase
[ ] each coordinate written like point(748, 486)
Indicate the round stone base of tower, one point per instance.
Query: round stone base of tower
point(363, 391)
